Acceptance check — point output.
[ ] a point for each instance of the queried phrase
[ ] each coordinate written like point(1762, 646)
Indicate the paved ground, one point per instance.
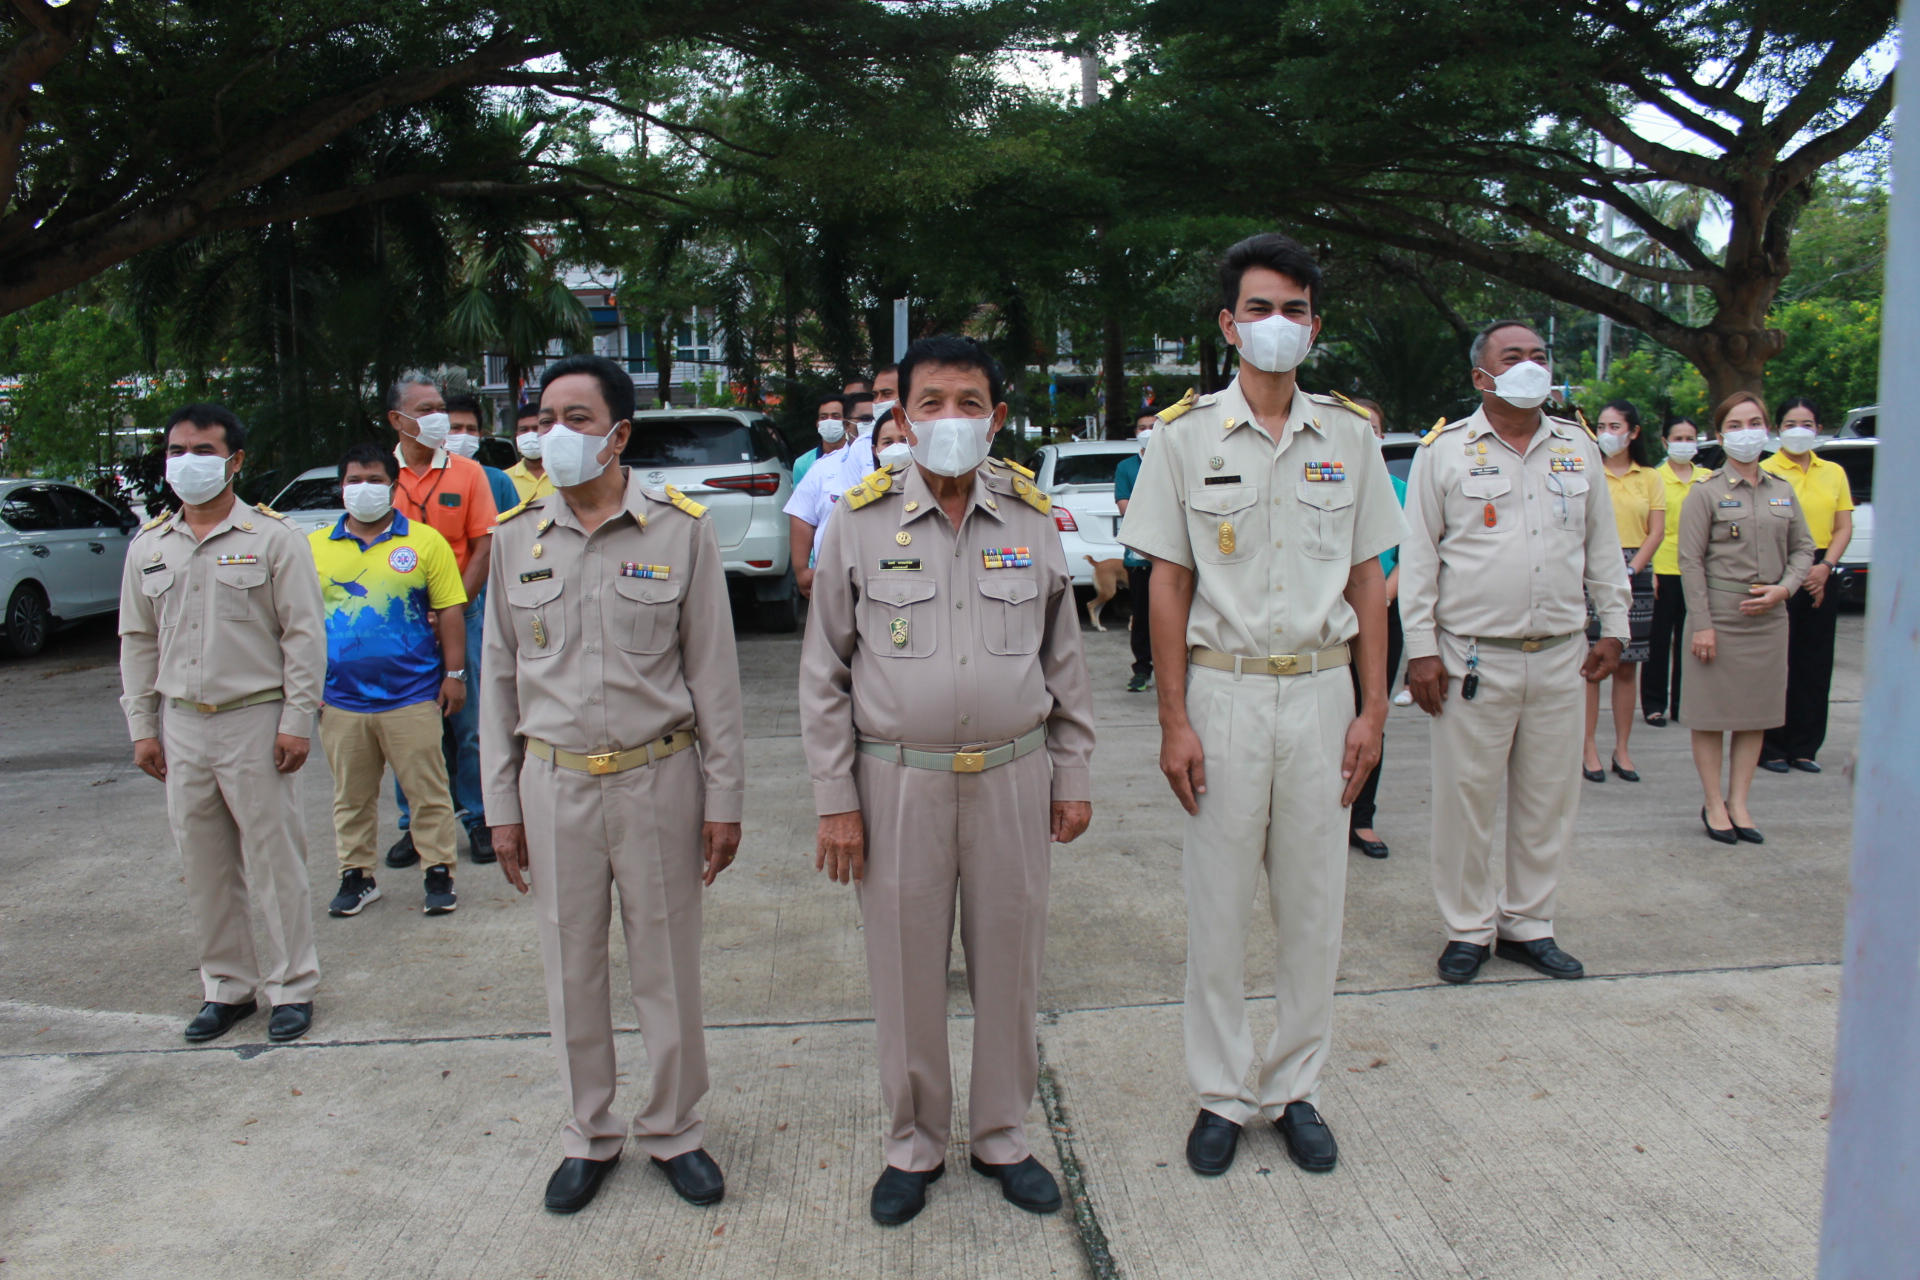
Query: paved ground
point(1663, 1117)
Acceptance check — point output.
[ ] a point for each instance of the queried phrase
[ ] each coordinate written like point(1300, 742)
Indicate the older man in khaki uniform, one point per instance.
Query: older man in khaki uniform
point(1264, 511)
point(609, 657)
point(948, 724)
point(1512, 531)
point(222, 652)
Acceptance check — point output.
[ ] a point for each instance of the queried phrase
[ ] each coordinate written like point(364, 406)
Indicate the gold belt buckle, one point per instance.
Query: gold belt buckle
point(601, 763)
point(206, 708)
point(1282, 664)
point(1530, 646)
point(969, 761)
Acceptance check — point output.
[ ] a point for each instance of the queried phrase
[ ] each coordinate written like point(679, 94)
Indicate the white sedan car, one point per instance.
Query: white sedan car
point(62, 551)
point(1078, 476)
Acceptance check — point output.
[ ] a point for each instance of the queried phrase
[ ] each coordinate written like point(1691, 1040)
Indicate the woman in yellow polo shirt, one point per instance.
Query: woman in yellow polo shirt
point(1666, 645)
point(1826, 499)
point(1640, 512)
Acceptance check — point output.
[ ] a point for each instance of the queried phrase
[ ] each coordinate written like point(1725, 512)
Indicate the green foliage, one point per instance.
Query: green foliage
point(1832, 355)
point(1661, 385)
point(1404, 357)
point(81, 404)
point(1840, 246)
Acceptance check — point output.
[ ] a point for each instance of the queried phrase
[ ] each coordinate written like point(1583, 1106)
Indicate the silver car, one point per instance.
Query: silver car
point(1078, 476)
point(62, 551)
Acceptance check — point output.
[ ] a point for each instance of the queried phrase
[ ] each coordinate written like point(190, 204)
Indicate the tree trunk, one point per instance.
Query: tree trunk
point(662, 360)
point(1114, 374)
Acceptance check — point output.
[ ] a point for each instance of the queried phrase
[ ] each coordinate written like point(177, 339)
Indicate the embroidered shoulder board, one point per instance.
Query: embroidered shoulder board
point(157, 521)
point(1585, 426)
point(1352, 404)
point(1178, 407)
point(266, 510)
point(685, 503)
point(1434, 434)
point(875, 485)
point(1013, 466)
point(1031, 495)
point(509, 514)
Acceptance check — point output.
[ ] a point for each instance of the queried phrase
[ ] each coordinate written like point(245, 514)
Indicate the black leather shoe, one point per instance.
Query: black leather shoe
point(1372, 848)
point(1750, 834)
point(695, 1176)
point(1626, 775)
point(900, 1194)
point(1211, 1144)
point(1806, 766)
point(1026, 1184)
point(1725, 835)
point(403, 854)
point(480, 844)
point(1461, 961)
point(1541, 955)
point(215, 1020)
point(1658, 719)
point(1775, 766)
point(576, 1182)
point(1593, 775)
point(290, 1022)
point(1308, 1139)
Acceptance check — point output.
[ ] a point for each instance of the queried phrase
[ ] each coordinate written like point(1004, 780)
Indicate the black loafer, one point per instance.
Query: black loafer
point(1626, 775)
point(1593, 775)
point(290, 1022)
point(215, 1020)
point(403, 854)
point(1309, 1142)
point(1540, 955)
point(1806, 766)
point(900, 1194)
point(576, 1182)
point(1749, 834)
point(1658, 719)
point(1026, 1184)
point(1461, 961)
point(480, 844)
point(1775, 766)
point(1211, 1144)
point(695, 1176)
point(1372, 848)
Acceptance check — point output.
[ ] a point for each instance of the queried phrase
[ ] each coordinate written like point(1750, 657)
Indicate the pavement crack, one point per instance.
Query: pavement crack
point(1086, 1220)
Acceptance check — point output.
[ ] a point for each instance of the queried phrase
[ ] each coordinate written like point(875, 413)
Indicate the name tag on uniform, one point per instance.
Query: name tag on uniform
point(536, 575)
point(628, 569)
point(154, 568)
point(1575, 463)
point(1326, 471)
point(236, 560)
point(1731, 502)
point(1223, 480)
point(1779, 502)
point(904, 566)
point(1484, 471)
point(1006, 558)
point(449, 499)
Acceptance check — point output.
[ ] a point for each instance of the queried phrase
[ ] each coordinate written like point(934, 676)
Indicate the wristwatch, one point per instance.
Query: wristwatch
point(457, 675)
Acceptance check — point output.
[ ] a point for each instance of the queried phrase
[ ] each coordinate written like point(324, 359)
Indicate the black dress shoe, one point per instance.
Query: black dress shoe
point(480, 844)
point(900, 1194)
point(1211, 1144)
point(1750, 834)
point(1461, 960)
point(1806, 766)
point(1309, 1142)
point(1775, 766)
point(1725, 835)
point(1593, 775)
point(1372, 848)
point(576, 1182)
point(1026, 1184)
point(290, 1022)
point(1626, 775)
point(1540, 954)
point(695, 1176)
point(1658, 719)
point(215, 1020)
point(403, 854)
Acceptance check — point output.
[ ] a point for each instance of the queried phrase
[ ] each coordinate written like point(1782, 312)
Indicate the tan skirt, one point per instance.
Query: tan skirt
point(1745, 686)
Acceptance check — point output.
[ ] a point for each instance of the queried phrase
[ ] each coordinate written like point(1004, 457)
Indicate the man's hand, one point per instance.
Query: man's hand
point(1704, 646)
point(1816, 583)
point(452, 697)
point(151, 758)
point(803, 582)
point(720, 844)
point(1185, 763)
point(1362, 753)
point(1602, 660)
point(841, 847)
point(289, 752)
point(1763, 599)
point(1427, 680)
point(1070, 819)
point(510, 847)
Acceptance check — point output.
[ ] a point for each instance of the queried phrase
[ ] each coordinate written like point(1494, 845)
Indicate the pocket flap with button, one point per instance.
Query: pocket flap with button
point(531, 595)
point(241, 576)
point(155, 584)
point(1570, 485)
point(1485, 487)
point(648, 590)
point(1326, 495)
point(1222, 499)
point(1011, 590)
point(899, 590)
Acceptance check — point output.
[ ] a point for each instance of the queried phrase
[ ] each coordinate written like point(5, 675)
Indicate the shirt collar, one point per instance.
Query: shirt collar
point(560, 511)
point(437, 463)
point(1300, 414)
point(1478, 428)
point(397, 529)
point(921, 501)
point(237, 520)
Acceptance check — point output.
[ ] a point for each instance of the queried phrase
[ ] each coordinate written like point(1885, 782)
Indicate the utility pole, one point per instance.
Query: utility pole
point(899, 330)
point(1603, 350)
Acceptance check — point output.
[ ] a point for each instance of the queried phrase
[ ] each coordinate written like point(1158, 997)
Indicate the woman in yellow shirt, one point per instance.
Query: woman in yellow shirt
point(1666, 645)
point(1640, 513)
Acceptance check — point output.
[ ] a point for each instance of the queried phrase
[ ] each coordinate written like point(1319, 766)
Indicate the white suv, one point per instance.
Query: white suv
point(1078, 476)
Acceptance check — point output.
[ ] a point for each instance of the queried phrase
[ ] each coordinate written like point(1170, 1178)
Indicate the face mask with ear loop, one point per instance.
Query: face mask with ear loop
point(573, 458)
point(1525, 386)
point(197, 477)
point(1275, 344)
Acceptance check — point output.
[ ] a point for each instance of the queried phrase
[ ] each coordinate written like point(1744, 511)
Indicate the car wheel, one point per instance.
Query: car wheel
point(28, 622)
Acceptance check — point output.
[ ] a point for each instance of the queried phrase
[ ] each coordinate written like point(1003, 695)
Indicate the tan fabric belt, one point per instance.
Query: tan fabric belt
point(614, 761)
point(1740, 588)
point(959, 761)
point(1277, 664)
point(1535, 644)
point(208, 708)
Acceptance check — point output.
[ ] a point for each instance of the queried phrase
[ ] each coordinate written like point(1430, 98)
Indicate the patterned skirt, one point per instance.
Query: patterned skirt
point(1639, 613)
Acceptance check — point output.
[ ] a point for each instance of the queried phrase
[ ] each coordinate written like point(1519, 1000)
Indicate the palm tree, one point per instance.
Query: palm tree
point(509, 301)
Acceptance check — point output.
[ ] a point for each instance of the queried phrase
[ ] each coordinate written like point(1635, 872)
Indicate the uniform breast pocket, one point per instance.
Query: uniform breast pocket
point(539, 617)
point(1479, 491)
point(1567, 501)
point(158, 588)
point(899, 616)
point(1726, 524)
point(235, 589)
point(649, 614)
point(1225, 522)
point(1326, 519)
point(1009, 614)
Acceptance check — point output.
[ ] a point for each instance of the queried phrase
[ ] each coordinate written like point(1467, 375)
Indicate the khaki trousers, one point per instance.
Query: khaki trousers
point(638, 830)
point(988, 835)
point(359, 745)
point(1273, 747)
point(237, 821)
point(1522, 730)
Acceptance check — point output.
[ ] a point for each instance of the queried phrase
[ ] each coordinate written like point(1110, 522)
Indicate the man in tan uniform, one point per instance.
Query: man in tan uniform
point(221, 624)
point(609, 654)
point(942, 654)
point(1264, 511)
point(1511, 523)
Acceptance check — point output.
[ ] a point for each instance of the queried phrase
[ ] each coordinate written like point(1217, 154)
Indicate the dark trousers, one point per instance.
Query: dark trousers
point(1361, 815)
point(1137, 628)
point(1666, 650)
point(1810, 629)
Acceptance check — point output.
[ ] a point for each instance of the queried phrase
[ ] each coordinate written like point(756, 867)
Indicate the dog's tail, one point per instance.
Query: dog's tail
point(1090, 560)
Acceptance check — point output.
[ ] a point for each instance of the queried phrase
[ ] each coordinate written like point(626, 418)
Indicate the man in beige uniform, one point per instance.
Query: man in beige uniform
point(221, 624)
point(942, 655)
point(1264, 511)
point(1510, 522)
point(609, 654)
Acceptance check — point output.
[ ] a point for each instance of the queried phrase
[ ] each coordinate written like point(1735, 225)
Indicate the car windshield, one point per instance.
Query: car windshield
point(1858, 464)
point(315, 493)
point(1086, 468)
point(687, 442)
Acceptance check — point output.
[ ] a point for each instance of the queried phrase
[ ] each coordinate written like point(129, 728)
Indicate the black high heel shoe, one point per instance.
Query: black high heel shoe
point(1724, 836)
point(1626, 775)
point(1593, 775)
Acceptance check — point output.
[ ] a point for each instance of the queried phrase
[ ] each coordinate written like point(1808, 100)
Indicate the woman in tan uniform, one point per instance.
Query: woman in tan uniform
point(1744, 548)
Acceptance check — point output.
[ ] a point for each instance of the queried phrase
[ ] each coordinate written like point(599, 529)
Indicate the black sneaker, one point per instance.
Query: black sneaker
point(403, 854)
point(480, 843)
point(357, 889)
point(440, 899)
point(1138, 684)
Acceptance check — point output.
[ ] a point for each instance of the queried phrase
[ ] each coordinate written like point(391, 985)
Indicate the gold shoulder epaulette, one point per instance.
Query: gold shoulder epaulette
point(1434, 434)
point(510, 513)
point(1178, 407)
point(1030, 494)
point(874, 486)
point(266, 510)
point(1352, 404)
point(1011, 465)
point(157, 521)
point(685, 503)
point(1585, 426)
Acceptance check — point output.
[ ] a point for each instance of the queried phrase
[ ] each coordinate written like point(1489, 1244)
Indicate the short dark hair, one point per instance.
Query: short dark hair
point(367, 451)
point(527, 409)
point(836, 397)
point(853, 398)
point(209, 415)
point(1144, 412)
point(951, 349)
point(885, 368)
point(1275, 252)
point(1480, 339)
point(616, 387)
point(1625, 409)
point(1798, 402)
point(463, 402)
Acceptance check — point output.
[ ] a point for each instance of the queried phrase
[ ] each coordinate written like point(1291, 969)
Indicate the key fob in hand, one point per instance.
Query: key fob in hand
point(1470, 685)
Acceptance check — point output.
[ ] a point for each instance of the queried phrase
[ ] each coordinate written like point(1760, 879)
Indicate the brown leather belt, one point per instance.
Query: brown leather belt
point(1275, 664)
point(614, 761)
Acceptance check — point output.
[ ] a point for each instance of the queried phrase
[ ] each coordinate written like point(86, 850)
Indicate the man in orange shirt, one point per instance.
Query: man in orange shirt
point(452, 494)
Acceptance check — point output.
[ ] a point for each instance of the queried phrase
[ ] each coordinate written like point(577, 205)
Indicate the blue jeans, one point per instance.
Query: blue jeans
point(460, 738)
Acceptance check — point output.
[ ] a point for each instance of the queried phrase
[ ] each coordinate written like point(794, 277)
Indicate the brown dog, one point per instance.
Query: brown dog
point(1109, 576)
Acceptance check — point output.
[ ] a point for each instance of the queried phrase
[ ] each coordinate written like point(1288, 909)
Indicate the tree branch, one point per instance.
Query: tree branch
point(1837, 141)
point(558, 87)
point(55, 33)
point(1818, 90)
point(1428, 290)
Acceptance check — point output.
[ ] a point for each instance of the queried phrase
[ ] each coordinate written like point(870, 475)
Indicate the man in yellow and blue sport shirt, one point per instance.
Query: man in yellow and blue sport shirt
point(391, 675)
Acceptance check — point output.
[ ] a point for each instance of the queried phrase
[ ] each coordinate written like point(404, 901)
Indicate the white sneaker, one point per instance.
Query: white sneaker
point(1404, 698)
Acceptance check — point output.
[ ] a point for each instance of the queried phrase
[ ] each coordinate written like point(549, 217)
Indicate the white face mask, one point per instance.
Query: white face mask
point(463, 444)
point(197, 477)
point(1275, 344)
point(1613, 443)
point(573, 458)
point(1682, 450)
point(431, 428)
point(1140, 436)
point(528, 442)
point(896, 455)
point(951, 446)
point(880, 408)
point(1799, 439)
point(1525, 386)
point(1746, 444)
point(368, 502)
point(832, 430)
